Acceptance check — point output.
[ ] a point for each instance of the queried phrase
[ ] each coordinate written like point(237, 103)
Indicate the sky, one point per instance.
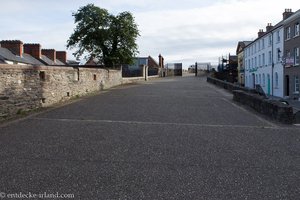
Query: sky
point(186, 31)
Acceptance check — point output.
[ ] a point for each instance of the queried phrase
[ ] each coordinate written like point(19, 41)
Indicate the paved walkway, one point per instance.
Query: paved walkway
point(173, 138)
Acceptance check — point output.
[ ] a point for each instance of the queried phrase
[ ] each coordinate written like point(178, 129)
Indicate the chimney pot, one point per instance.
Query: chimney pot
point(287, 13)
point(260, 33)
point(269, 27)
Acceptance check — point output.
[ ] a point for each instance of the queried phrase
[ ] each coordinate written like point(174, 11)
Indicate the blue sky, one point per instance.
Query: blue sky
point(182, 31)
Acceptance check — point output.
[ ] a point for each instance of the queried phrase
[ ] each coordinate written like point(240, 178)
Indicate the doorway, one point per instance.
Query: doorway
point(287, 85)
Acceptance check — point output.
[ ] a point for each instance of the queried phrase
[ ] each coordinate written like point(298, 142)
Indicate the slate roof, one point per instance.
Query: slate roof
point(48, 61)
point(31, 60)
point(8, 55)
point(5, 54)
point(73, 62)
point(58, 62)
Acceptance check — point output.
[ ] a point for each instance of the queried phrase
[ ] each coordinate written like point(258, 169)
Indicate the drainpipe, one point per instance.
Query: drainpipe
point(272, 62)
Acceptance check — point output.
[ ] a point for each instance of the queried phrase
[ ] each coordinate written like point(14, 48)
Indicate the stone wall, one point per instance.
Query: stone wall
point(24, 88)
point(271, 108)
point(249, 97)
point(228, 86)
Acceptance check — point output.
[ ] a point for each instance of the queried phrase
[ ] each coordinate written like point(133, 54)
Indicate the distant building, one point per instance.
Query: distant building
point(227, 69)
point(174, 69)
point(240, 60)
point(135, 69)
point(291, 54)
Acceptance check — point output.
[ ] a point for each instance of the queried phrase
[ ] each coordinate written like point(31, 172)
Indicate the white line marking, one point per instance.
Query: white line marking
point(156, 123)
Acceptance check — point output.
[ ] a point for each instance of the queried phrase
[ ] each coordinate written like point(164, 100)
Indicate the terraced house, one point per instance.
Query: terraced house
point(262, 60)
point(265, 58)
point(291, 53)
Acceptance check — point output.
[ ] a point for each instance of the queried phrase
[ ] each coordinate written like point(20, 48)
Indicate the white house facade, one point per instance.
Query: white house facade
point(263, 61)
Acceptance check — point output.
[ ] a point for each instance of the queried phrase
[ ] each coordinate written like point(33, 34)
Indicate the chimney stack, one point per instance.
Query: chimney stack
point(62, 56)
point(33, 49)
point(15, 46)
point(287, 13)
point(160, 61)
point(260, 33)
point(50, 53)
point(269, 27)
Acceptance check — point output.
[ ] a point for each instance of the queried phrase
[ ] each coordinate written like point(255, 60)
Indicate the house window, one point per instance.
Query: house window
point(256, 79)
point(297, 29)
point(263, 59)
point(278, 54)
point(264, 79)
point(288, 33)
point(296, 83)
point(259, 79)
point(263, 43)
point(259, 45)
point(278, 36)
point(276, 80)
point(270, 57)
point(255, 64)
point(296, 56)
point(270, 40)
point(249, 81)
point(259, 60)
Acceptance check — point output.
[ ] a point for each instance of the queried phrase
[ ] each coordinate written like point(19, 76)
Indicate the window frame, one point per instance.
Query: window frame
point(296, 29)
point(296, 84)
point(296, 56)
point(288, 33)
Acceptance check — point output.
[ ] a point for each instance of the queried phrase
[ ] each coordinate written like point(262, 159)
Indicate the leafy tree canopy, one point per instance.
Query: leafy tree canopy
point(101, 35)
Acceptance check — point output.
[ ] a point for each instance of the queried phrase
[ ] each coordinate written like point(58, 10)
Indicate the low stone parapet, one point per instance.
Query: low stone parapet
point(271, 108)
point(227, 85)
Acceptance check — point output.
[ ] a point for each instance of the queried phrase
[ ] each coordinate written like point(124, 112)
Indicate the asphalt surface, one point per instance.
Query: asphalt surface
point(173, 138)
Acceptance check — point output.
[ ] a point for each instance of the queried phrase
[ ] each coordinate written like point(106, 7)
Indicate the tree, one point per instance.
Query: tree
point(101, 35)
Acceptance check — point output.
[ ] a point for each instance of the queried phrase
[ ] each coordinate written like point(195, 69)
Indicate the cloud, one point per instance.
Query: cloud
point(186, 31)
point(213, 30)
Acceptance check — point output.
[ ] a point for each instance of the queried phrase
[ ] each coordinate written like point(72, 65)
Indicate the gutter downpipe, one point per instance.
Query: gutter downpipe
point(272, 92)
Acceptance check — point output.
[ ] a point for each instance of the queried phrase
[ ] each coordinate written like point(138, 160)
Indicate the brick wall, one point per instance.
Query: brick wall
point(24, 88)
